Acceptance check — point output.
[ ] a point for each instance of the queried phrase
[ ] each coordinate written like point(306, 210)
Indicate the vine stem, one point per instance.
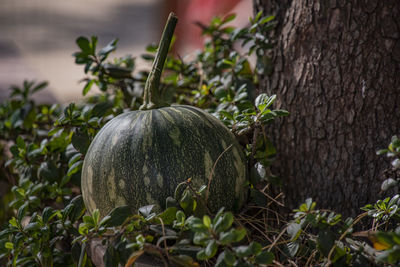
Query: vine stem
point(359, 217)
point(82, 255)
point(152, 97)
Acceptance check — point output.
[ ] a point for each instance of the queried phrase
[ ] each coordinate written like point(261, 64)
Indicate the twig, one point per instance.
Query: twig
point(277, 263)
point(255, 227)
point(165, 240)
point(82, 256)
point(359, 217)
point(310, 258)
point(271, 198)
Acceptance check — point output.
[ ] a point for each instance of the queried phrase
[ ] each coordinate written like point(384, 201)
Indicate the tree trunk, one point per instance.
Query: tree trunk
point(337, 70)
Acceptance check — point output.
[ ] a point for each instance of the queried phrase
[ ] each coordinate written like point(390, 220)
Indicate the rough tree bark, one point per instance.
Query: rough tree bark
point(337, 70)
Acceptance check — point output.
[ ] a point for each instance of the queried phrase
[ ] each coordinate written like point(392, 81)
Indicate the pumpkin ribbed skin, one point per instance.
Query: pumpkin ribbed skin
point(139, 157)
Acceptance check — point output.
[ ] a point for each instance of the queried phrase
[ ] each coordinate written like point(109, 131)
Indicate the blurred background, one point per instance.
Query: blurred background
point(37, 37)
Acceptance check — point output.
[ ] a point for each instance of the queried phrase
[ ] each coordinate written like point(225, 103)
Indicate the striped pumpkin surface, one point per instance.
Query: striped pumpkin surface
point(139, 157)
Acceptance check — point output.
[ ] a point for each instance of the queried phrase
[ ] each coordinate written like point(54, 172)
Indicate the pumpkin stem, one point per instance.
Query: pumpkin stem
point(152, 97)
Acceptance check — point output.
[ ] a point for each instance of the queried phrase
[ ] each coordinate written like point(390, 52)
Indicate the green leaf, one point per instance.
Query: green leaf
point(201, 238)
point(382, 151)
point(100, 109)
point(240, 97)
point(239, 234)
point(84, 45)
point(20, 192)
point(396, 164)
point(147, 57)
point(234, 235)
point(258, 197)
point(146, 210)
point(293, 248)
point(88, 220)
point(39, 87)
point(94, 43)
point(48, 171)
point(80, 141)
point(227, 115)
point(78, 208)
point(258, 16)
point(109, 48)
point(325, 241)
point(9, 245)
point(196, 224)
point(258, 173)
point(83, 228)
point(243, 251)
point(255, 248)
point(220, 261)
point(266, 19)
point(229, 257)
point(388, 183)
point(5, 233)
point(267, 116)
point(226, 238)
point(310, 204)
point(264, 257)
point(118, 72)
point(75, 167)
point(88, 86)
point(211, 249)
point(224, 222)
point(187, 202)
point(22, 211)
point(21, 143)
point(152, 48)
point(294, 230)
point(201, 255)
point(216, 21)
point(218, 215)
point(168, 216)
point(171, 202)
point(14, 151)
point(228, 18)
point(117, 216)
point(32, 226)
point(260, 101)
point(54, 131)
point(270, 100)
point(281, 112)
point(180, 216)
point(74, 159)
point(220, 92)
point(96, 216)
point(47, 213)
point(13, 222)
point(207, 221)
point(394, 200)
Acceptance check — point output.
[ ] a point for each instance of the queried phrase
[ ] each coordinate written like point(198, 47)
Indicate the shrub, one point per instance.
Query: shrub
point(43, 147)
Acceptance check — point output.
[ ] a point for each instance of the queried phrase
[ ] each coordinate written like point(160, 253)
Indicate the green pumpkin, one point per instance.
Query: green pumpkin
point(139, 157)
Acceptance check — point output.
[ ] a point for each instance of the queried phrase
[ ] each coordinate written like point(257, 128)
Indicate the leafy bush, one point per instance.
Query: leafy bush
point(43, 146)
